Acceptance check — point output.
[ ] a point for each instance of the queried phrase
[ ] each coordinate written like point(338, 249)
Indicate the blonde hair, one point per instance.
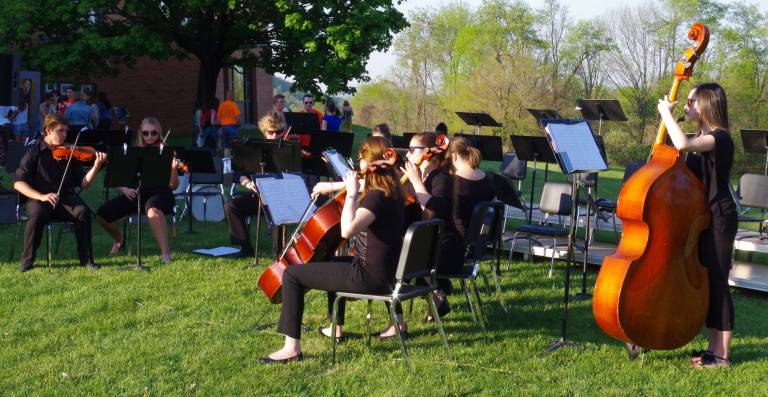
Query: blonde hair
point(384, 179)
point(271, 122)
point(54, 120)
point(461, 147)
point(153, 121)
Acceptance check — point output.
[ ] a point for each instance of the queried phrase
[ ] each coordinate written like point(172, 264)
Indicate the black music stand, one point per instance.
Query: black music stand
point(573, 145)
point(316, 142)
point(479, 120)
point(533, 148)
point(489, 146)
point(544, 114)
point(301, 121)
point(138, 167)
point(400, 141)
point(601, 109)
point(756, 141)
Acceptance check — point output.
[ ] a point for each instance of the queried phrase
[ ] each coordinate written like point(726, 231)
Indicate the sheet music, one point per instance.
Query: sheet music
point(339, 165)
point(286, 198)
point(218, 251)
point(576, 146)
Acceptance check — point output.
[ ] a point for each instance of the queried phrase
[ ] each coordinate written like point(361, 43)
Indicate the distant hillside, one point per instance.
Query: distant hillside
point(283, 86)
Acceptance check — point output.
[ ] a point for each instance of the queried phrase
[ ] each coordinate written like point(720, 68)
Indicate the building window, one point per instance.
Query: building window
point(241, 85)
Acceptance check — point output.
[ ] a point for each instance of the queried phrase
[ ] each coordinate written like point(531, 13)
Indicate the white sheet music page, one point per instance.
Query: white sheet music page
point(576, 146)
point(286, 198)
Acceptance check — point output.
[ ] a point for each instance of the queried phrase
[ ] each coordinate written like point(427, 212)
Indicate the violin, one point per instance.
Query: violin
point(317, 238)
point(441, 145)
point(85, 154)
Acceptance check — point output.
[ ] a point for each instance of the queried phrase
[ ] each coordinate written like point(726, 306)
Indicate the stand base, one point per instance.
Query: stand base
point(560, 343)
point(582, 296)
point(137, 267)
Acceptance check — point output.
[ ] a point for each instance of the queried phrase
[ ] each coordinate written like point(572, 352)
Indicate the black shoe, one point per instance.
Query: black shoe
point(25, 267)
point(92, 266)
point(267, 360)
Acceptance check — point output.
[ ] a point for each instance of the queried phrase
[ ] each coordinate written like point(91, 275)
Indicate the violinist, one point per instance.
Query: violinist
point(711, 160)
point(236, 210)
point(49, 185)
point(373, 218)
point(156, 201)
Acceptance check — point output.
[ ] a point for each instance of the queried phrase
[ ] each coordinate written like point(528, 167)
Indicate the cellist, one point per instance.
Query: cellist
point(373, 218)
point(711, 159)
point(40, 179)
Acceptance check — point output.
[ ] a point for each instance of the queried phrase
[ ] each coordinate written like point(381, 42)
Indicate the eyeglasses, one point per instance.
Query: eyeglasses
point(690, 101)
point(149, 133)
point(411, 149)
point(308, 102)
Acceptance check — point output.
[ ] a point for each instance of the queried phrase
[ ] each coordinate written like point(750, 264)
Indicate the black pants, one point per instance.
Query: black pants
point(121, 206)
point(70, 208)
point(715, 248)
point(236, 210)
point(326, 276)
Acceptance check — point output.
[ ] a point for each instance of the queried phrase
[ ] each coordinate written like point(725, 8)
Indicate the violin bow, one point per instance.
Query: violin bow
point(69, 161)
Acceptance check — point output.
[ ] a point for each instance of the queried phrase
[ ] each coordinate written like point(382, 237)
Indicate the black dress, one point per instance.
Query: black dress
point(716, 242)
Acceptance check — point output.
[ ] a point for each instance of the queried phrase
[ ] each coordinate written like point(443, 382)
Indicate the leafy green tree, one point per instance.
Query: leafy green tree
point(322, 42)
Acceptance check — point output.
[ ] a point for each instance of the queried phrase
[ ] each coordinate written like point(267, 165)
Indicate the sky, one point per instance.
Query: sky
point(380, 62)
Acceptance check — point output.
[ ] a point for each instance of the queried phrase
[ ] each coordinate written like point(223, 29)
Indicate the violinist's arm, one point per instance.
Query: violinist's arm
point(354, 219)
point(90, 176)
point(24, 188)
point(174, 175)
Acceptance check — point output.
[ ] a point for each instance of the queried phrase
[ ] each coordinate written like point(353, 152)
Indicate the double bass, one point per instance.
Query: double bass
point(652, 292)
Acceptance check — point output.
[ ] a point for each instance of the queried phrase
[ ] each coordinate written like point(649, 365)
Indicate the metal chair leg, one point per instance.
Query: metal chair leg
point(48, 232)
point(552, 262)
point(58, 240)
point(469, 301)
point(334, 314)
point(480, 314)
point(399, 335)
point(439, 324)
point(498, 287)
point(368, 317)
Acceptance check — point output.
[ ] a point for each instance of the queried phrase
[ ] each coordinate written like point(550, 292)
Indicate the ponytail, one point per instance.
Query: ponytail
point(461, 147)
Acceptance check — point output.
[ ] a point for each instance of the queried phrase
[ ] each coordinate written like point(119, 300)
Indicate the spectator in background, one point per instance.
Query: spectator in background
point(332, 118)
point(78, 114)
point(20, 118)
point(229, 117)
point(280, 106)
point(211, 124)
point(67, 100)
point(346, 115)
point(88, 99)
point(105, 111)
point(441, 129)
point(49, 105)
point(198, 139)
point(308, 102)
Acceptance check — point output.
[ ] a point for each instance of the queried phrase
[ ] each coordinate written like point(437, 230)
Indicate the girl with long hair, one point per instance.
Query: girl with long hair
point(373, 217)
point(711, 159)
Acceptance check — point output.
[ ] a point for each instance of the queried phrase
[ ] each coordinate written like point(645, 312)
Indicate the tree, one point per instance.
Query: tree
point(319, 42)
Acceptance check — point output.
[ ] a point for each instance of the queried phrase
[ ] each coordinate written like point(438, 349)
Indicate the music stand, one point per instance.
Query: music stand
point(400, 141)
point(139, 168)
point(601, 109)
point(544, 114)
point(756, 141)
point(478, 120)
point(320, 141)
point(489, 146)
point(533, 148)
point(301, 121)
point(576, 151)
point(101, 139)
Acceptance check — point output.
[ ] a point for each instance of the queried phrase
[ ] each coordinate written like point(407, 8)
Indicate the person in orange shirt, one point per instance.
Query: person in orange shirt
point(308, 102)
point(229, 116)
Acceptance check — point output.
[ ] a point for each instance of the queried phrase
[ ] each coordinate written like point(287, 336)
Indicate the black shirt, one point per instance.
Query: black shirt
point(43, 173)
point(378, 246)
point(467, 193)
point(714, 169)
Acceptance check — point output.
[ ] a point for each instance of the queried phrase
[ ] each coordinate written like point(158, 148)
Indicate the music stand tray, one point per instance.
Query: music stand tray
point(301, 121)
point(544, 114)
point(478, 119)
point(489, 146)
point(756, 141)
point(601, 109)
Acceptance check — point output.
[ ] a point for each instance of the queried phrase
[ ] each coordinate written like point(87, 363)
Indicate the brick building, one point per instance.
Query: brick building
point(166, 90)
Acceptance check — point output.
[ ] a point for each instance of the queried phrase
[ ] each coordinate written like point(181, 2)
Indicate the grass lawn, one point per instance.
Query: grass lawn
point(193, 327)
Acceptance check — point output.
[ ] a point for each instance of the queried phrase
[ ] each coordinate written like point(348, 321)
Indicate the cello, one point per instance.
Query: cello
point(652, 291)
point(317, 238)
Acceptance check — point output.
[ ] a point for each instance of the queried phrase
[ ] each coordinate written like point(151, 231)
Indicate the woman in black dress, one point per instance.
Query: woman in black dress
point(156, 201)
point(712, 161)
point(373, 218)
point(471, 185)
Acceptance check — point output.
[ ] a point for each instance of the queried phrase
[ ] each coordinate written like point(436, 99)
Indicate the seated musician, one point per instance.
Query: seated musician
point(471, 185)
point(38, 178)
point(373, 218)
point(156, 201)
point(236, 210)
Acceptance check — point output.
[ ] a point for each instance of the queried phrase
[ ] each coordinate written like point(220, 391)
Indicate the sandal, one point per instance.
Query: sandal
point(339, 339)
point(697, 355)
point(712, 361)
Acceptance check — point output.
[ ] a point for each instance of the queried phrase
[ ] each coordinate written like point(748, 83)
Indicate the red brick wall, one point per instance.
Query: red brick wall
point(167, 91)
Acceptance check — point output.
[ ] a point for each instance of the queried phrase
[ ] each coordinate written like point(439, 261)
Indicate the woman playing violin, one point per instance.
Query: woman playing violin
point(373, 218)
point(49, 185)
point(156, 201)
point(707, 105)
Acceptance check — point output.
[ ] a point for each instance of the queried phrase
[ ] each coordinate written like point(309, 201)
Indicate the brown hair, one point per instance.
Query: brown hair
point(713, 106)
point(465, 151)
point(429, 140)
point(383, 129)
point(384, 179)
point(276, 97)
point(140, 135)
point(54, 120)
